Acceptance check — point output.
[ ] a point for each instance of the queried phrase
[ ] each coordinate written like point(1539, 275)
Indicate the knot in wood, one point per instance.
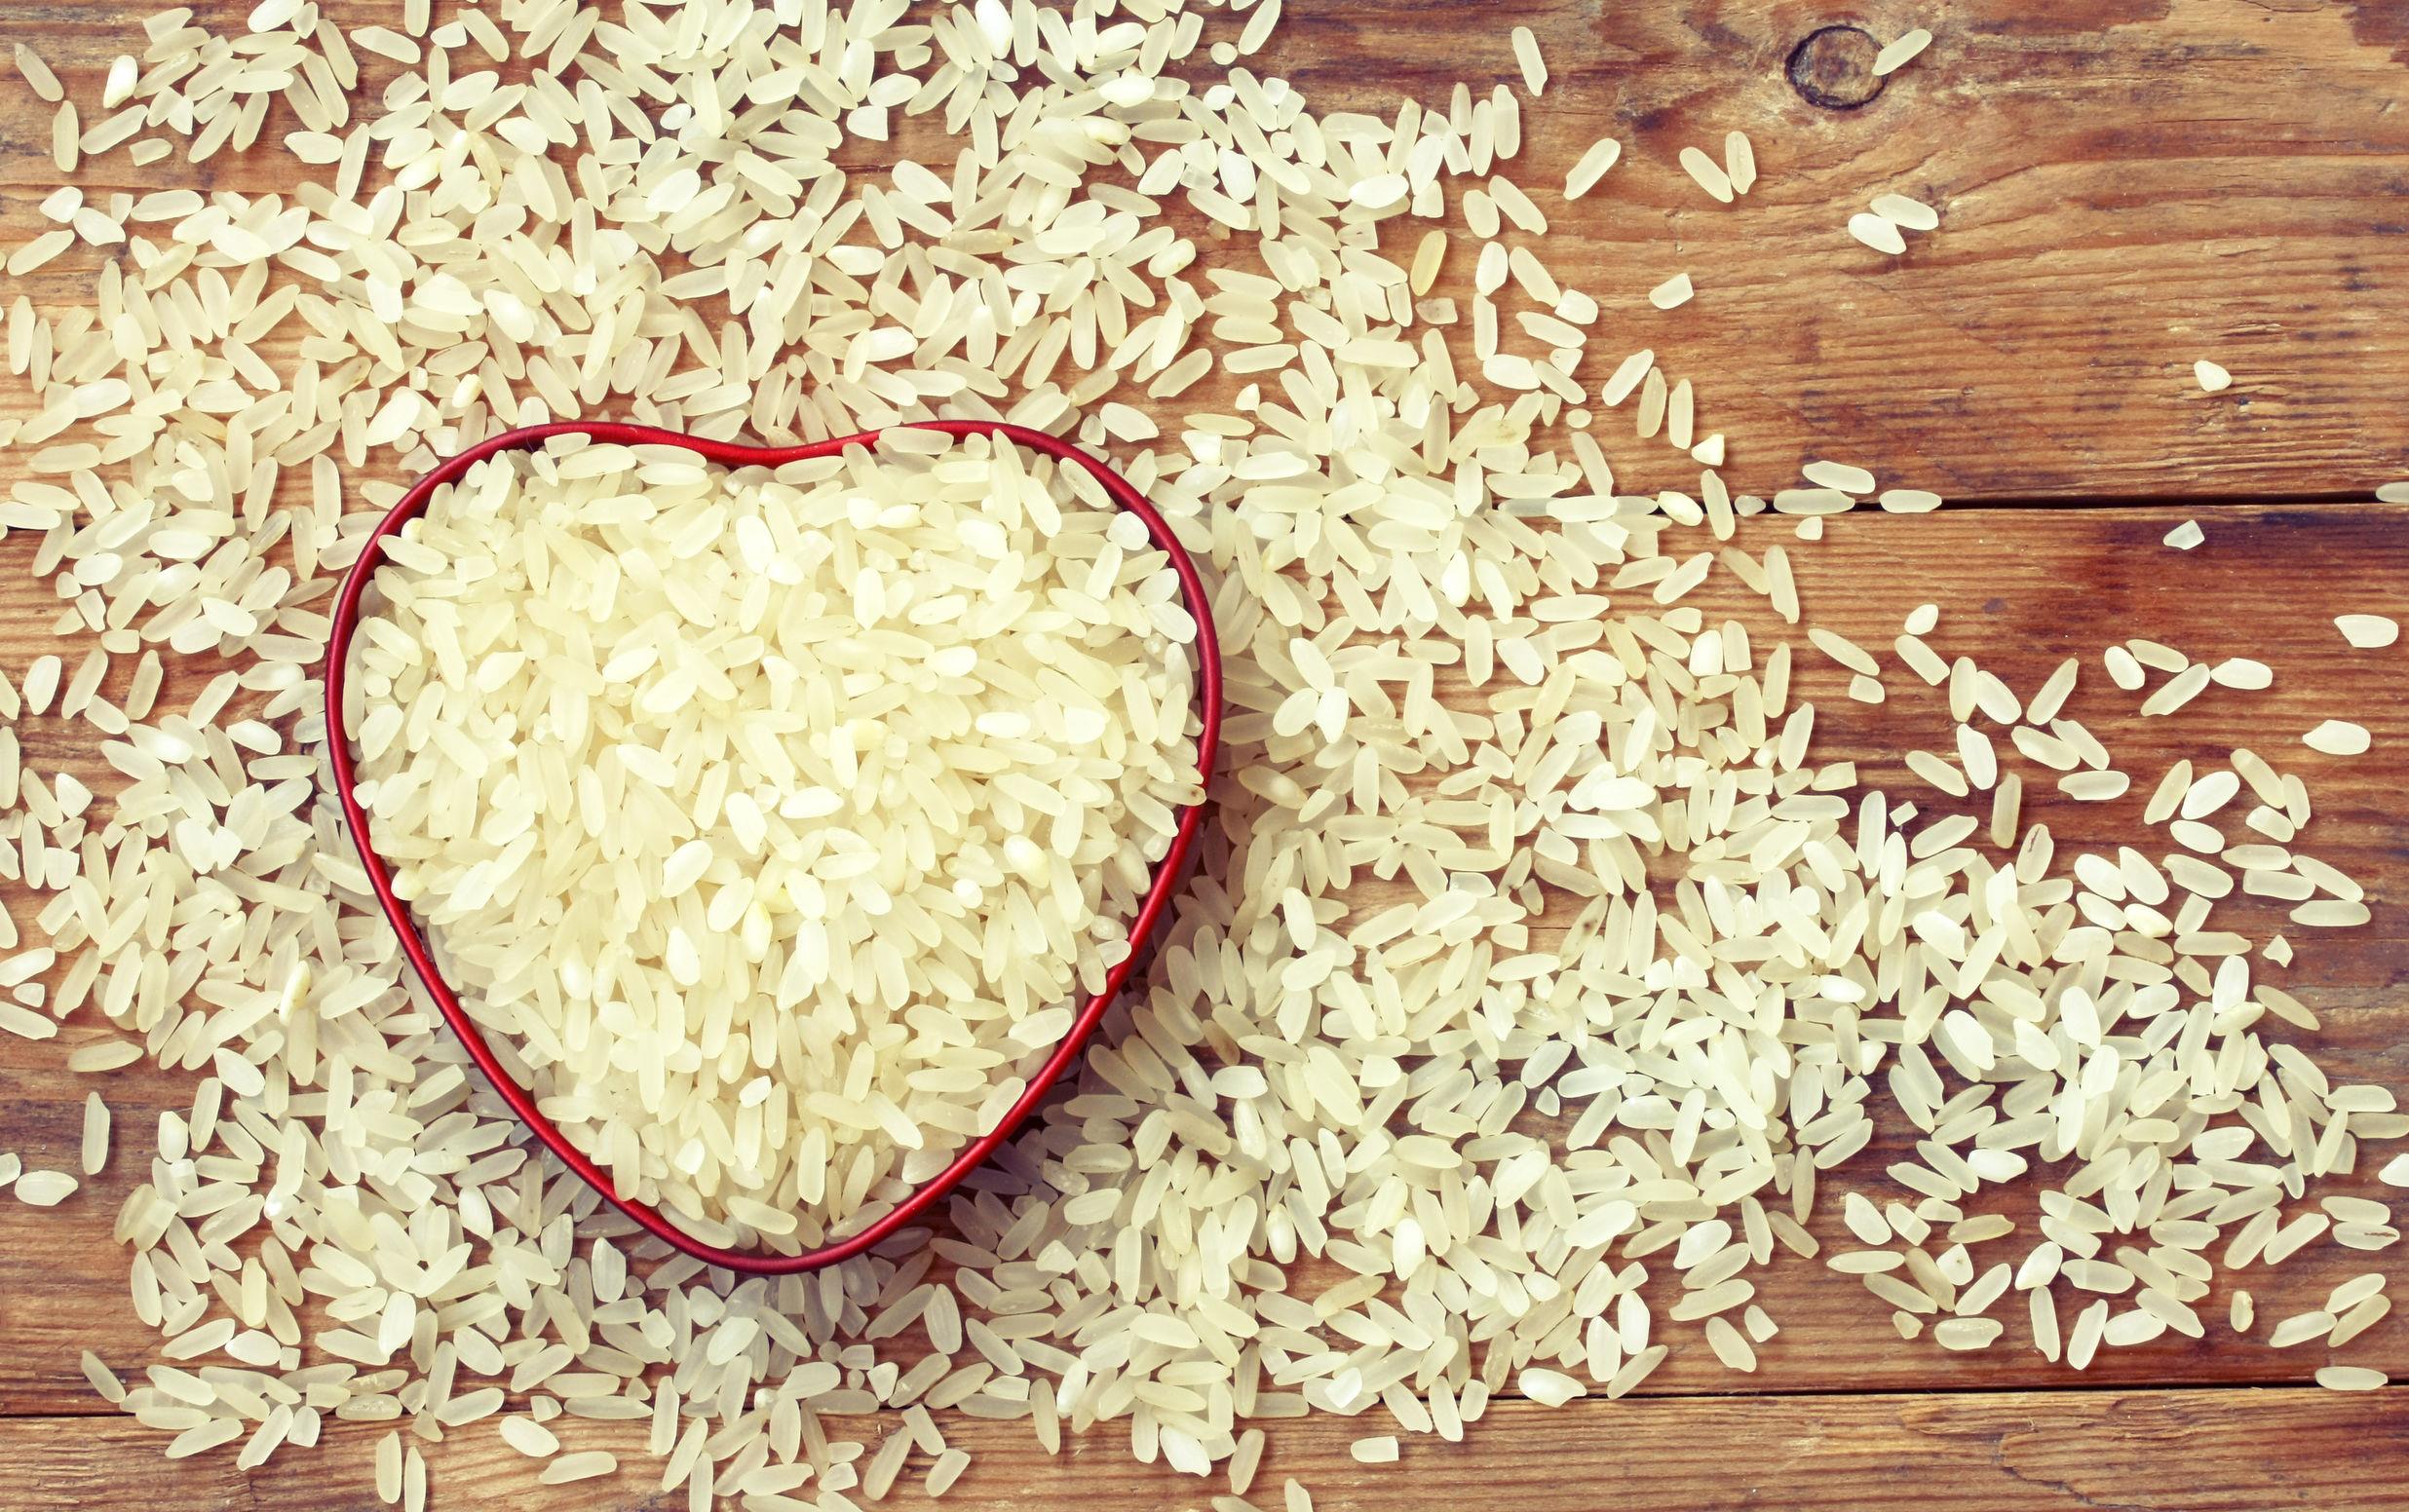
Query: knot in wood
point(1833, 68)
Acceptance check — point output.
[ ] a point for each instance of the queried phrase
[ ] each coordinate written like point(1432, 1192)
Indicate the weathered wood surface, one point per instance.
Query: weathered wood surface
point(2032, 587)
point(2125, 185)
point(2183, 1450)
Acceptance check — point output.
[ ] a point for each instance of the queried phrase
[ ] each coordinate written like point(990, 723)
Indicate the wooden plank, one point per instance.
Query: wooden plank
point(2109, 211)
point(2041, 342)
point(2027, 586)
point(1981, 1452)
point(2125, 187)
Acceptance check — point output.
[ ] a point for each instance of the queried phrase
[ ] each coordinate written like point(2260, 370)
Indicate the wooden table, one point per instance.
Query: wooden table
point(2125, 185)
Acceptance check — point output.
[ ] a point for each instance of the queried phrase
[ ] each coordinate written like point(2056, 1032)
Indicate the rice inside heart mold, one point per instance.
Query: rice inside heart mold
point(775, 822)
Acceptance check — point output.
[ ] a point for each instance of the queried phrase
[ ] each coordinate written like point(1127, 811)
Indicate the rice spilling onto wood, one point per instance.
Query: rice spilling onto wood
point(1545, 977)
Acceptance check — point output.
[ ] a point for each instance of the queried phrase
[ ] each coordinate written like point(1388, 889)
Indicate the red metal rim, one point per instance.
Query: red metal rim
point(1150, 912)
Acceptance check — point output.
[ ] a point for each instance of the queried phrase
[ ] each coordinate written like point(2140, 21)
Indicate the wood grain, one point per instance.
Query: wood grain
point(2124, 185)
point(2025, 589)
point(1969, 1451)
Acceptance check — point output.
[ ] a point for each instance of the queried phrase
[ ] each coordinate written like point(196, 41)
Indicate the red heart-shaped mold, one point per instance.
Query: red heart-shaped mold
point(1150, 911)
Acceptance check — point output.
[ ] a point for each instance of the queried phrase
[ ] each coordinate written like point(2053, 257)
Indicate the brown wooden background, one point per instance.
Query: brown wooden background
point(2125, 185)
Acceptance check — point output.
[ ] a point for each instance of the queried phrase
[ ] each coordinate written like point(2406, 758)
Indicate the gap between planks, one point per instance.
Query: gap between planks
point(2155, 502)
point(517, 1403)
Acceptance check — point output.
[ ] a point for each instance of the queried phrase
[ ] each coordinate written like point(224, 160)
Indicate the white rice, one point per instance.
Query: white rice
point(1877, 233)
point(1476, 701)
point(1896, 54)
point(934, 667)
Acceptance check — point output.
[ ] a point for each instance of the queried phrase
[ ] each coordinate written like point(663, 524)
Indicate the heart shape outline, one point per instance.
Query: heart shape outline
point(1150, 909)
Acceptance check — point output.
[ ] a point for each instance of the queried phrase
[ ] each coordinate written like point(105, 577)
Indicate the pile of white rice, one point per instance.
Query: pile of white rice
point(1544, 975)
point(779, 822)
